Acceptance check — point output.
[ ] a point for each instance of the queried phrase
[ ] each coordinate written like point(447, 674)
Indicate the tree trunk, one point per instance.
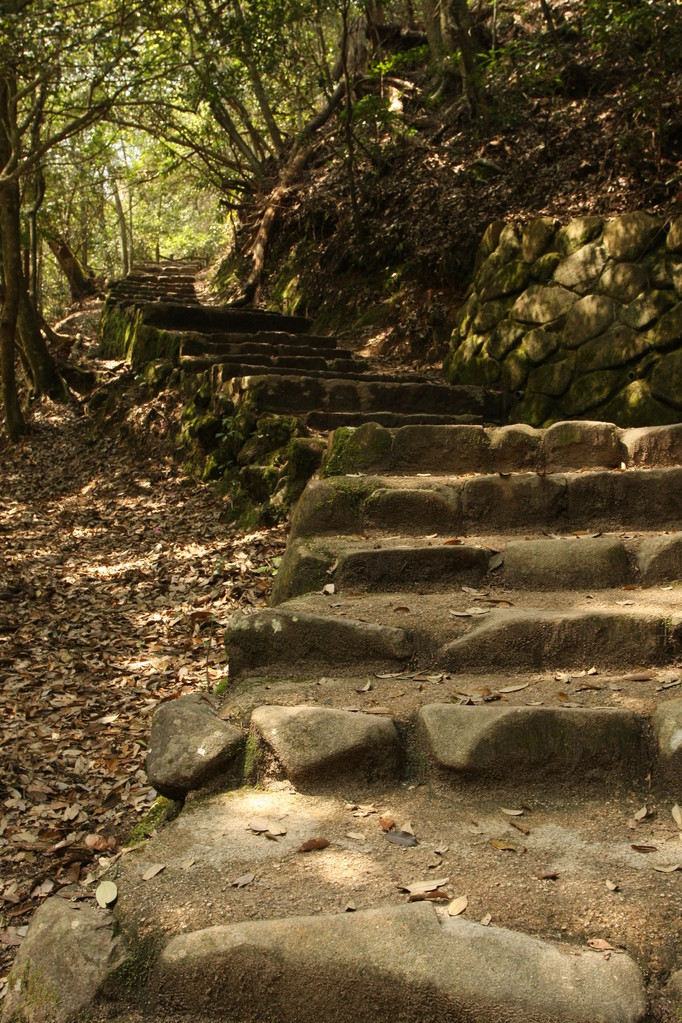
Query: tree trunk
point(11, 264)
point(81, 283)
point(460, 15)
point(122, 229)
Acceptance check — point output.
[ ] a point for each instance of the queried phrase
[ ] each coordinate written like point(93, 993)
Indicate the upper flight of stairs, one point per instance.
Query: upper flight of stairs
point(273, 360)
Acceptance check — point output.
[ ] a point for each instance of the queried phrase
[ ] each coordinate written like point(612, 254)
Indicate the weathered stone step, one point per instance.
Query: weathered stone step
point(291, 365)
point(507, 736)
point(330, 421)
point(461, 449)
point(216, 319)
point(439, 631)
point(402, 563)
point(462, 505)
point(383, 394)
point(416, 963)
point(260, 342)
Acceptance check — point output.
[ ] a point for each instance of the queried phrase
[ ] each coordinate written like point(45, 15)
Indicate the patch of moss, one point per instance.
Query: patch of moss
point(133, 974)
point(161, 811)
point(39, 998)
point(222, 686)
point(253, 756)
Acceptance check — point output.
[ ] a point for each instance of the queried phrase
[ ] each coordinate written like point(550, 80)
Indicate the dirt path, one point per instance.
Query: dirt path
point(117, 576)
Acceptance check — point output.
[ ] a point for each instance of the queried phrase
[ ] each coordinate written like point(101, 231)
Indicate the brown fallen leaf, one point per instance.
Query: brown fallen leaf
point(241, 882)
point(511, 813)
point(498, 843)
point(420, 887)
point(401, 838)
point(485, 920)
point(668, 868)
point(645, 848)
point(546, 875)
point(387, 823)
point(457, 906)
point(152, 871)
point(314, 843)
point(677, 815)
point(452, 542)
point(600, 945)
point(519, 826)
point(641, 814)
point(611, 885)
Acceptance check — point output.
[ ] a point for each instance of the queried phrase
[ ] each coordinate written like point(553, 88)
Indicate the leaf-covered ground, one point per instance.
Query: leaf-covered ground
point(117, 576)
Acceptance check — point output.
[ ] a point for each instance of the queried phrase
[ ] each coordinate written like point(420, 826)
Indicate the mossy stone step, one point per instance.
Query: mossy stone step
point(330, 421)
point(241, 365)
point(260, 342)
point(565, 446)
point(464, 505)
point(216, 319)
point(364, 394)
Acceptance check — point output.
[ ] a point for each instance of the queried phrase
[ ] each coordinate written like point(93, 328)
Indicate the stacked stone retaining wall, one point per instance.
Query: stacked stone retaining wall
point(581, 321)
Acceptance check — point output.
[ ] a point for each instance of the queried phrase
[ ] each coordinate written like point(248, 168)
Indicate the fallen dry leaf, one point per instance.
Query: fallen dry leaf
point(106, 894)
point(457, 906)
point(314, 843)
point(152, 871)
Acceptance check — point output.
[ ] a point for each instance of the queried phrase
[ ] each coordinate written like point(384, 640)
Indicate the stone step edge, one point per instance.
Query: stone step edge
point(191, 746)
point(455, 505)
point(564, 446)
point(598, 562)
point(416, 961)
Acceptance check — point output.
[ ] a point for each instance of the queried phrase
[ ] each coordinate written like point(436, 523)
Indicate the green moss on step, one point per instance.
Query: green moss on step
point(160, 811)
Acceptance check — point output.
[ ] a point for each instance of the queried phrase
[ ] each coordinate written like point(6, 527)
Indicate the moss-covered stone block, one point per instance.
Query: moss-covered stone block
point(482, 371)
point(552, 379)
point(589, 317)
point(304, 459)
point(623, 281)
point(635, 405)
point(645, 309)
point(539, 344)
point(506, 336)
point(356, 450)
point(542, 305)
point(543, 268)
point(592, 389)
point(536, 236)
point(515, 370)
point(509, 280)
point(582, 268)
point(629, 236)
point(668, 330)
point(577, 233)
point(616, 347)
point(666, 379)
point(534, 409)
point(490, 314)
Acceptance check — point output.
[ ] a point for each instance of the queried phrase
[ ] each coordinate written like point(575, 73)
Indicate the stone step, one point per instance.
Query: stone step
point(416, 963)
point(383, 394)
point(291, 365)
point(318, 633)
point(624, 735)
point(564, 446)
point(404, 563)
point(329, 421)
point(453, 506)
point(217, 319)
point(260, 342)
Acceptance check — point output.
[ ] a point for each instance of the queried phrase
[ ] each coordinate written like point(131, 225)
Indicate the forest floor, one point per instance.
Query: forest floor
point(117, 576)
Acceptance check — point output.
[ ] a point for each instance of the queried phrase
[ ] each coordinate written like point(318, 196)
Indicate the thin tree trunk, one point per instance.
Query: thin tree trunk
point(81, 283)
point(355, 210)
point(122, 228)
point(11, 264)
point(460, 15)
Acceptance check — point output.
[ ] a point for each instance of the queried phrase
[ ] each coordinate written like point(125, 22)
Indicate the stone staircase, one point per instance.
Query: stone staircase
point(445, 780)
point(263, 391)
